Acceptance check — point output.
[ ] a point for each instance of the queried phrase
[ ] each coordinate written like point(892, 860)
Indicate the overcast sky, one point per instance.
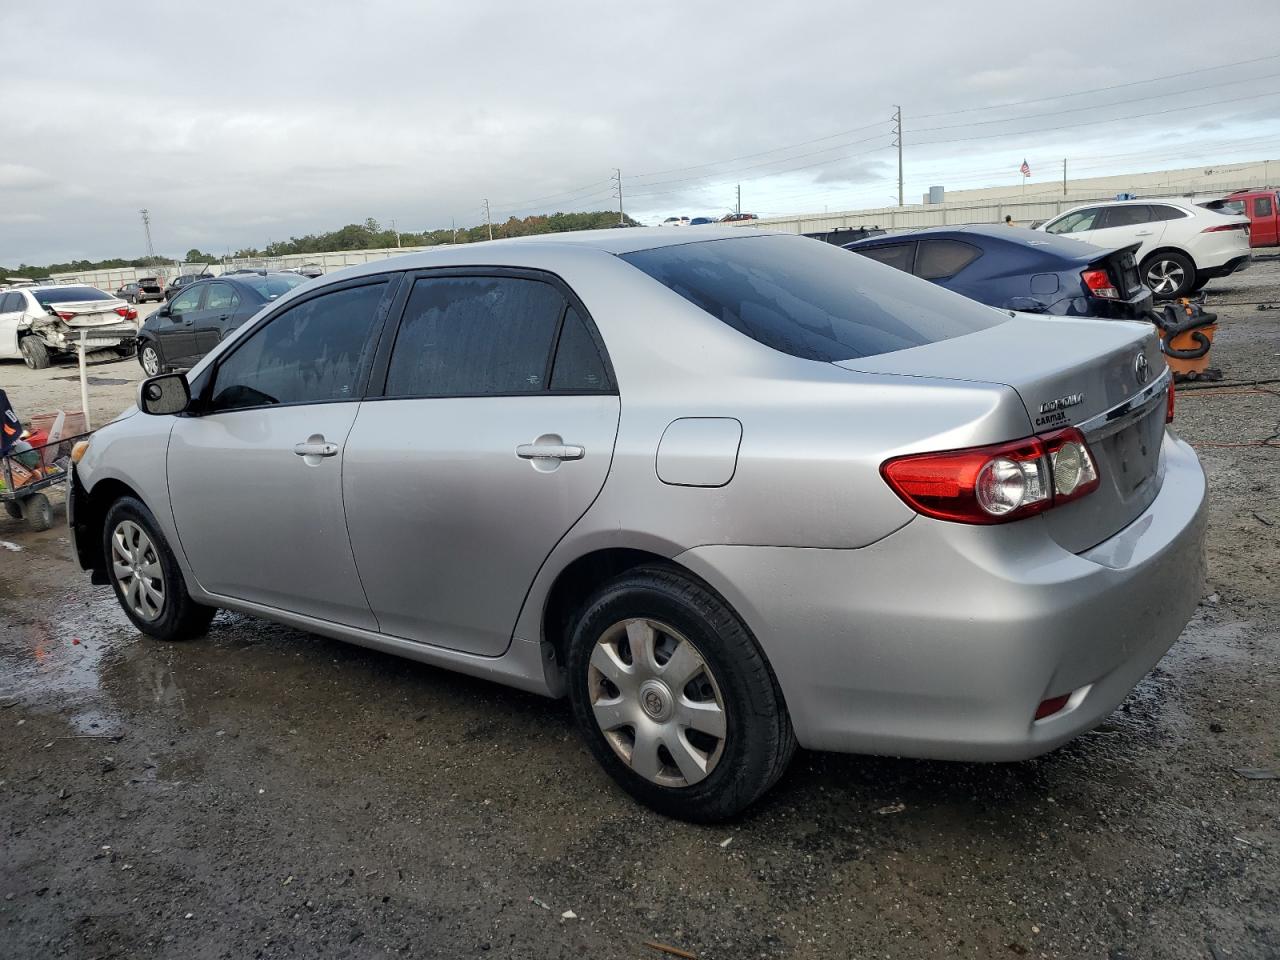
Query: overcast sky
point(247, 123)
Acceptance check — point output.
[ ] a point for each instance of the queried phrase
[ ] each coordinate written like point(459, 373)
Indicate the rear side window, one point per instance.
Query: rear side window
point(1126, 216)
point(221, 296)
point(896, 255)
point(475, 336)
point(810, 299)
point(577, 365)
point(11, 303)
point(316, 351)
point(937, 259)
point(1262, 207)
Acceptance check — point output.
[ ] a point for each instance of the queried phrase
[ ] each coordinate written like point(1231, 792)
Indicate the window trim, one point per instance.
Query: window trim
point(208, 377)
point(382, 361)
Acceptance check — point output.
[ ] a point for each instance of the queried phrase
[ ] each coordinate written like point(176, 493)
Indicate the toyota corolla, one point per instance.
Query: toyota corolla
point(728, 493)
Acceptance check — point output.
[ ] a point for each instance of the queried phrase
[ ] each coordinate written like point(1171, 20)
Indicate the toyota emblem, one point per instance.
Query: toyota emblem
point(1141, 370)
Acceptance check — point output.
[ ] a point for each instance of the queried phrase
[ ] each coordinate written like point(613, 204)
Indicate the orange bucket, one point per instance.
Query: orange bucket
point(1188, 341)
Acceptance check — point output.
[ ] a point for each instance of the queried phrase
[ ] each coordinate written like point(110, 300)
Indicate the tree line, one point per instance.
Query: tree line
point(369, 235)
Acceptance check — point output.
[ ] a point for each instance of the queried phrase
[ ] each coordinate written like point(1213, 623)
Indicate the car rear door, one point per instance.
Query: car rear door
point(493, 435)
point(1127, 224)
point(255, 476)
point(1078, 225)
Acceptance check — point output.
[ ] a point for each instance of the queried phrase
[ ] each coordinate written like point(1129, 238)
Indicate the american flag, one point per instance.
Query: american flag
point(1026, 170)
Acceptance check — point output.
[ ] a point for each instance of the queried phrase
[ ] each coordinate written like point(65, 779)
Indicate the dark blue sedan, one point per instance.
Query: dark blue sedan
point(1018, 269)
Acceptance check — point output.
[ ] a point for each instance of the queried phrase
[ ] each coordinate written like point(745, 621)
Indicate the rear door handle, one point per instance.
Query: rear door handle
point(1143, 233)
point(550, 451)
point(316, 446)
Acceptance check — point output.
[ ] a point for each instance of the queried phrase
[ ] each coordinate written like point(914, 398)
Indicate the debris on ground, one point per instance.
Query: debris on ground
point(536, 902)
point(892, 808)
point(1256, 773)
point(671, 951)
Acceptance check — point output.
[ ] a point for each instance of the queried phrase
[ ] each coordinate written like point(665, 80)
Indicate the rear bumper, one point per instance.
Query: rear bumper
point(1228, 268)
point(942, 639)
point(1135, 308)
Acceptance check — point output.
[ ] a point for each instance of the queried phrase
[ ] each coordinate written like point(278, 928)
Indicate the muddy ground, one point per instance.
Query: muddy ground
point(268, 793)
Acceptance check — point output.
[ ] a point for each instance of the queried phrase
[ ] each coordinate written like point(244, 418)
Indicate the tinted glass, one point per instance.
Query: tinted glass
point(10, 303)
point(69, 295)
point(273, 284)
point(1161, 212)
point(221, 296)
point(578, 365)
point(896, 255)
point(1262, 206)
point(1226, 206)
point(469, 336)
point(315, 351)
point(1127, 216)
point(810, 299)
point(186, 301)
point(936, 259)
point(1076, 222)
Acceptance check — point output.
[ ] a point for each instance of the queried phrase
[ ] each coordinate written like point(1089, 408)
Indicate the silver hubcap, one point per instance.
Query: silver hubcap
point(656, 702)
point(1165, 276)
point(150, 361)
point(136, 567)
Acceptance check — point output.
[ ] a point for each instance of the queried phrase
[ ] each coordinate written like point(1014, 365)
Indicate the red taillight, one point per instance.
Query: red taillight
point(1100, 284)
point(66, 316)
point(1227, 226)
point(123, 311)
point(1051, 706)
point(998, 483)
point(1168, 410)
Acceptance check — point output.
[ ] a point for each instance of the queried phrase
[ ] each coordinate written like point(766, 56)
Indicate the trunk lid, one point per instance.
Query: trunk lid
point(1122, 266)
point(1068, 372)
point(89, 313)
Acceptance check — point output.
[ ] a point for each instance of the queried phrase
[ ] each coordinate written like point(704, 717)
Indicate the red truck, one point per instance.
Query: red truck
point(1262, 207)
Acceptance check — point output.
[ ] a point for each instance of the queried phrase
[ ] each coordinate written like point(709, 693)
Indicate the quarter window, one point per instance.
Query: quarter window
point(577, 365)
point(316, 351)
point(1161, 212)
point(937, 259)
point(896, 255)
point(475, 336)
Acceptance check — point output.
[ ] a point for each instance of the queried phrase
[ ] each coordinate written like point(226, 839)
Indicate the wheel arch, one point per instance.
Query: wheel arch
point(91, 513)
point(1169, 248)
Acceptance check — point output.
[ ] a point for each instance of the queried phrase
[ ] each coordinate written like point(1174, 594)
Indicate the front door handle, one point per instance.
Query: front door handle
point(316, 446)
point(1143, 233)
point(550, 451)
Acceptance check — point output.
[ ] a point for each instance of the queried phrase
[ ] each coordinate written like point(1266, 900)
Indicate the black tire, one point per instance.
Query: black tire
point(145, 353)
point(34, 353)
point(179, 617)
point(13, 509)
point(759, 741)
point(1163, 265)
point(37, 511)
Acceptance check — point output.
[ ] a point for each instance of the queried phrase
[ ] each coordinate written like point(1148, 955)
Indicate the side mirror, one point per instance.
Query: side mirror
point(166, 394)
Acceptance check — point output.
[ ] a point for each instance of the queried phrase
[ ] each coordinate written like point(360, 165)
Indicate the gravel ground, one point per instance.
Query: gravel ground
point(269, 793)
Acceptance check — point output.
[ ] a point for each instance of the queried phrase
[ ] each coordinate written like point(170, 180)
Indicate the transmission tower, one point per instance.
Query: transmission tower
point(146, 226)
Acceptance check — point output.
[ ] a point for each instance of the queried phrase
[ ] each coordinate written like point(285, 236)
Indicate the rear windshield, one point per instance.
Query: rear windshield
point(69, 295)
point(810, 299)
point(273, 285)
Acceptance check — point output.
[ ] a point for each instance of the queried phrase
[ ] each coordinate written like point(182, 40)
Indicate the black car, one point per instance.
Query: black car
point(144, 289)
point(180, 282)
point(1017, 269)
point(201, 315)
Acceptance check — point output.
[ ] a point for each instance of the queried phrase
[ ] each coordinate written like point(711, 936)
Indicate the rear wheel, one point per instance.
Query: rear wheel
point(1169, 274)
point(146, 577)
point(34, 353)
point(674, 697)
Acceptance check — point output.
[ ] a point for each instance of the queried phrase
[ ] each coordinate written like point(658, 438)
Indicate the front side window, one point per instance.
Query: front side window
point(186, 302)
point(315, 351)
point(810, 299)
point(938, 259)
point(896, 255)
point(474, 336)
point(1076, 222)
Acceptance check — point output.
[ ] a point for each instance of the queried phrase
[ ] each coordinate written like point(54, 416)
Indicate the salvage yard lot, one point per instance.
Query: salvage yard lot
point(265, 792)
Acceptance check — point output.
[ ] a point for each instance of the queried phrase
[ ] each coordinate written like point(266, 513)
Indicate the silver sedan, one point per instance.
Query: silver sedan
point(728, 491)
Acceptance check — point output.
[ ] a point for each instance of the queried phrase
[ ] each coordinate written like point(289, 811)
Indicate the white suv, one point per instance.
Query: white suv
point(1183, 246)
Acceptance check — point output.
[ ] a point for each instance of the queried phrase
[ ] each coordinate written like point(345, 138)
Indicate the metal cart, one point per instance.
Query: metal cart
point(25, 474)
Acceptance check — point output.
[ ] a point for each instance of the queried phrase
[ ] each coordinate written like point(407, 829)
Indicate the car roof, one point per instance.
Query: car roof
point(1043, 242)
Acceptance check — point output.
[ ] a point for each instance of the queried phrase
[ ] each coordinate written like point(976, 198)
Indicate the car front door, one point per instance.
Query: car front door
point(493, 436)
point(1079, 224)
point(213, 319)
point(255, 474)
point(176, 331)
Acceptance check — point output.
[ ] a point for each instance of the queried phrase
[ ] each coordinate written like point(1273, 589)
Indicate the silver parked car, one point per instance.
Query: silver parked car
point(728, 493)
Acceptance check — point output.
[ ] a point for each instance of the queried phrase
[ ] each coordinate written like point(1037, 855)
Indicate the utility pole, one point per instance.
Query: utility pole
point(396, 232)
point(737, 208)
point(488, 221)
point(146, 226)
point(1064, 176)
point(897, 132)
point(617, 175)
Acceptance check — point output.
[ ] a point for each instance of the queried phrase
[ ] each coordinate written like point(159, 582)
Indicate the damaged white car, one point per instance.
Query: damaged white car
point(40, 323)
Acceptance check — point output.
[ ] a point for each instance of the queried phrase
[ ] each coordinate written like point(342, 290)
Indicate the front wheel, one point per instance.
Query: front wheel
point(149, 359)
point(674, 697)
point(1169, 274)
point(146, 577)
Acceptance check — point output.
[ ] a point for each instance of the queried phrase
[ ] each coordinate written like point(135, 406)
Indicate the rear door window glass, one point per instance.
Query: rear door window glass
point(1126, 216)
point(316, 351)
point(896, 255)
point(937, 259)
point(221, 296)
point(475, 336)
point(578, 365)
point(810, 299)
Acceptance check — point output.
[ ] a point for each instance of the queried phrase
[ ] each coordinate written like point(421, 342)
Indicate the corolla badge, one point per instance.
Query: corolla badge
point(1141, 369)
point(1061, 403)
